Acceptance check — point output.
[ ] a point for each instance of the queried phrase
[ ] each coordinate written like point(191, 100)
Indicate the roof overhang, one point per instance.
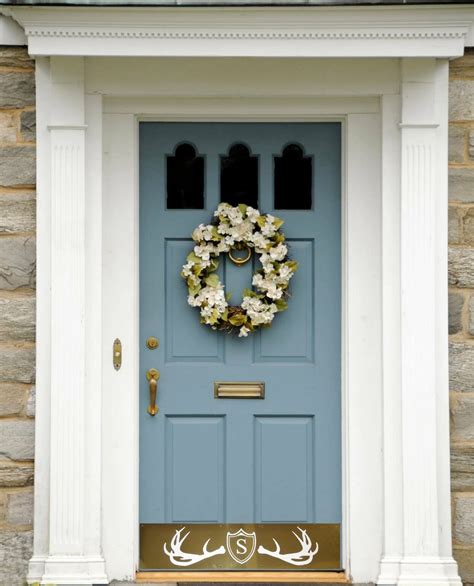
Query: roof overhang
point(430, 31)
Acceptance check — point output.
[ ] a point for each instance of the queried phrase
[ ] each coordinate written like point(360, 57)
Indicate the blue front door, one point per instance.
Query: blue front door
point(219, 461)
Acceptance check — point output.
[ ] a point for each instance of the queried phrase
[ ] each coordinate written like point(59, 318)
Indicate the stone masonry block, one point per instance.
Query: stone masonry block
point(12, 399)
point(15, 57)
point(20, 508)
point(17, 364)
point(17, 262)
point(15, 474)
point(461, 267)
point(465, 559)
point(462, 417)
point(463, 66)
point(461, 185)
point(468, 227)
point(457, 143)
point(17, 318)
point(17, 90)
point(471, 144)
point(31, 403)
point(461, 99)
point(461, 367)
point(463, 531)
point(17, 166)
point(471, 315)
point(28, 125)
point(8, 126)
point(454, 225)
point(17, 212)
point(17, 439)
point(15, 551)
point(456, 304)
point(462, 467)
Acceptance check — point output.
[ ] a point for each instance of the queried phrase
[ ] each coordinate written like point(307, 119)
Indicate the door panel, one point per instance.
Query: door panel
point(247, 461)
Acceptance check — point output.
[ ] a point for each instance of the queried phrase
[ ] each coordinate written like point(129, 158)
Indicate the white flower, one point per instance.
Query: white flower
point(242, 231)
point(243, 332)
point(223, 228)
point(268, 228)
point(252, 214)
point(222, 209)
point(235, 216)
point(187, 268)
point(202, 252)
point(222, 246)
point(278, 252)
point(260, 242)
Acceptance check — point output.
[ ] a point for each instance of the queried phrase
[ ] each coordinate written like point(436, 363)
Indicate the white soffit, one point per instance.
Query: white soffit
point(431, 31)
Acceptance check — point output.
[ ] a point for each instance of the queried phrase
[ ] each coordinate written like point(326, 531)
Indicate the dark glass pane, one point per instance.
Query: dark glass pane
point(239, 176)
point(185, 179)
point(293, 179)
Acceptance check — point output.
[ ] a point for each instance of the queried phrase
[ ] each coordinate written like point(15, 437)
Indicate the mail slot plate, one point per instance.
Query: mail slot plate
point(239, 390)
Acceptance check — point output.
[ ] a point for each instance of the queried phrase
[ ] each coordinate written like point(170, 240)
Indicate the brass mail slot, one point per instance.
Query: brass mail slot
point(239, 390)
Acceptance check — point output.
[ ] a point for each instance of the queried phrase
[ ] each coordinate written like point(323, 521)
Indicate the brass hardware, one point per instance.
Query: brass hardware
point(324, 537)
point(240, 260)
point(237, 390)
point(152, 376)
point(152, 343)
point(117, 354)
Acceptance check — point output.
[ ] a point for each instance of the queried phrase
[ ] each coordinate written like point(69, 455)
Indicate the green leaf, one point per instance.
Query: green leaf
point(212, 280)
point(194, 289)
point(193, 258)
point(243, 208)
point(278, 223)
point(292, 264)
point(214, 265)
point(238, 319)
point(281, 304)
point(261, 221)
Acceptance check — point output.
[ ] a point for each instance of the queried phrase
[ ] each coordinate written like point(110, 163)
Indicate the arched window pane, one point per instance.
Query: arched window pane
point(293, 179)
point(239, 176)
point(185, 179)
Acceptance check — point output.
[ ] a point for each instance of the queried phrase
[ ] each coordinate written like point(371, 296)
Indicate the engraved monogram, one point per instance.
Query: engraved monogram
point(241, 546)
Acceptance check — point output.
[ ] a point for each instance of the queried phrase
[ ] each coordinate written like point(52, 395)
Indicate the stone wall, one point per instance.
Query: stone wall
point(461, 308)
point(17, 311)
point(17, 295)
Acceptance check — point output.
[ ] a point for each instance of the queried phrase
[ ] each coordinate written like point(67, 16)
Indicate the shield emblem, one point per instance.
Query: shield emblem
point(241, 545)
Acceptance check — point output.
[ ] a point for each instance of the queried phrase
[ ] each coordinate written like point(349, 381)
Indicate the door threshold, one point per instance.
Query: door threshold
point(238, 577)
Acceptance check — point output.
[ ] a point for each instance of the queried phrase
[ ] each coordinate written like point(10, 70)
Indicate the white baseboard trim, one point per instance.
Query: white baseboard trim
point(67, 570)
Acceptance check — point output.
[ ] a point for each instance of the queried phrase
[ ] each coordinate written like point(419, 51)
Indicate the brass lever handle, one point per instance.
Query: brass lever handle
point(152, 376)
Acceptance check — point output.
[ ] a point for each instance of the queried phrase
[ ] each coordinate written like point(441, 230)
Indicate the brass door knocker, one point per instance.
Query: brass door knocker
point(240, 260)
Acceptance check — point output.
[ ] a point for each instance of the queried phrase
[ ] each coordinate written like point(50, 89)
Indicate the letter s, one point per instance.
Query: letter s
point(241, 546)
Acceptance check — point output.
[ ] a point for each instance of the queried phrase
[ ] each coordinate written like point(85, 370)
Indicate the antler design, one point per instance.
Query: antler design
point(299, 558)
point(181, 558)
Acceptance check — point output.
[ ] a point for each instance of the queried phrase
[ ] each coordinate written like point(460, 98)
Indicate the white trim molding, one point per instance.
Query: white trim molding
point(257, 32)
point(396, 519)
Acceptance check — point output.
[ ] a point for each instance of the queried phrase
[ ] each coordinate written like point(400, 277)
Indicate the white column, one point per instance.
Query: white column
point(423, 362)
point(392, 448)
point(73, 555)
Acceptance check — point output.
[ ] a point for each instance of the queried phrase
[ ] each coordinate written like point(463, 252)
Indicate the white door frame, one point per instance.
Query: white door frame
point(397, 526)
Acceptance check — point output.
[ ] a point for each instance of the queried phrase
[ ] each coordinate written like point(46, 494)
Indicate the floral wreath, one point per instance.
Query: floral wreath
point(239, 228)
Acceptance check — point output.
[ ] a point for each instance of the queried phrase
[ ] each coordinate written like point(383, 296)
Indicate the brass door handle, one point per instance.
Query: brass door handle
point(152, 376)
